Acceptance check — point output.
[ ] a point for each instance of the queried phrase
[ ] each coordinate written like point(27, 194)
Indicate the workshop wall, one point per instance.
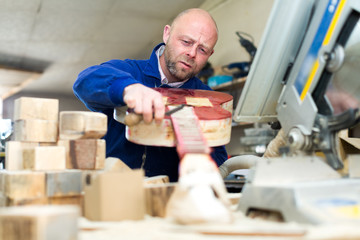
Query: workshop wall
point(66, 102)
point(249, 16)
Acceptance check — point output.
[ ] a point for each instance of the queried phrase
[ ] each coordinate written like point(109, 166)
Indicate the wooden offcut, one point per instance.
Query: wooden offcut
point(36, 108)
point(35, 130)
point(86, 154)
point(156, 179)
point(115, 196)
point(14, 154)
point(23, 184)
point(63, 183)
point(39, 223)
point(82, 125)
point(157, 197)
point(44, 158)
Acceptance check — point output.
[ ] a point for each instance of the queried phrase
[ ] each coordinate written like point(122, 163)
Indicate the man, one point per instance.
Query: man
point(189, 42)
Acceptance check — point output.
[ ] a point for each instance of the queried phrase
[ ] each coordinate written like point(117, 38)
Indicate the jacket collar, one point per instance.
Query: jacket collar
point(151, 68)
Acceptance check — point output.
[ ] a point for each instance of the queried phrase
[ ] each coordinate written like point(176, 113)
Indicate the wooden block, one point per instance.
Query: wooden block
point(115, 165)
point(156, 180)
point(14, 156)
point(35, 130)
point(63, 183)
point(44, 158)
point(24, 184)
point(39, 223)
point(36, 108)
point(86, 154)
point(82, 125)
point(115, 196)
point(157, 197)
point(8, 202)
point(69, 200)
point(87, 175)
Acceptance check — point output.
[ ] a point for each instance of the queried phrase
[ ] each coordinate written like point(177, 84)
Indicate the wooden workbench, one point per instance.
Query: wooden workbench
point(154, 228)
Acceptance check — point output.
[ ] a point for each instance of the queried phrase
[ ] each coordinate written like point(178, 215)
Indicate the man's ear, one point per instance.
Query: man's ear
point(166, 33)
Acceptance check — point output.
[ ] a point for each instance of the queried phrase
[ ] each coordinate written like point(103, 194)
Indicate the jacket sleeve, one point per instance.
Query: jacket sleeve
point(219, 155)
point(101, 86)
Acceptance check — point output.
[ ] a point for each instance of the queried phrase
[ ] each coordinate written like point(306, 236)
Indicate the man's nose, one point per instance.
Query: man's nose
point(192, 51)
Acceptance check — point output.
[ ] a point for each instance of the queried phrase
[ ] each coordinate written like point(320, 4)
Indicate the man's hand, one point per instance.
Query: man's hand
point(145, 101)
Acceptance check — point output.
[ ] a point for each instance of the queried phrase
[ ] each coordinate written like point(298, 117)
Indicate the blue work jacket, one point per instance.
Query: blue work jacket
point(101, 88)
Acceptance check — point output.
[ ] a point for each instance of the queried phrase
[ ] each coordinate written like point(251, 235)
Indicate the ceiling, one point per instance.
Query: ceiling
point(44, 44)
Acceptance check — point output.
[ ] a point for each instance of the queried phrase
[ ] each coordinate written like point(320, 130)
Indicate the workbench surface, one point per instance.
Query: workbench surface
point(246, 228)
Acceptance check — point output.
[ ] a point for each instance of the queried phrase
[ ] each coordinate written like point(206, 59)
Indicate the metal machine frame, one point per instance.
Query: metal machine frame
point(302, 47)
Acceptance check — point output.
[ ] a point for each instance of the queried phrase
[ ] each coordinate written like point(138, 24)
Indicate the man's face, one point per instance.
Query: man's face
point(187, 50)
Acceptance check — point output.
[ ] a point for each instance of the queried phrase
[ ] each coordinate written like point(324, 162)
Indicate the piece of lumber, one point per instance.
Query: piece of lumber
point(69, 200)
point(23, 184)
point(44, 158)
point(156, 180)
point(14, 156)
point(113, 164)
point(36, 108)
point(85, 154)
point(115, 196)
point(39, 223)
point(35, 130)
point(63, 183)
point(8, 202)
point(82, 125)
point(157, 197)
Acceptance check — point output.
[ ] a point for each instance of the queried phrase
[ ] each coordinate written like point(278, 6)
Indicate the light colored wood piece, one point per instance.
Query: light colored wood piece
point(39, 223)
point(69, 200)
point(115, 165)
point(8, 202)
point(44, 158)
point(82, 125)
point(156, 180)
point(14, 156)
point(157, 197)
point(115, 196)
point(24, 184)
point(63, 183)
point(36, 108)
point(85, 154)
point(35, 130)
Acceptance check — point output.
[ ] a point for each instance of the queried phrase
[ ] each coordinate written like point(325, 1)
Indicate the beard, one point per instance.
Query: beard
point(178, 72)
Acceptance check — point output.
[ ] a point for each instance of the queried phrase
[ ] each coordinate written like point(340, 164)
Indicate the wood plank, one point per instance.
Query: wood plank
point(64, 183)
point(14, 156)
point(157, 197)
point(39, 223)
point(24, 184)
point(113, 164)
point(115, 196)
point(156, 180)
point(36, 108)
point(46, 131)
point(82, 125)
point(44, 158)
point(85, 154)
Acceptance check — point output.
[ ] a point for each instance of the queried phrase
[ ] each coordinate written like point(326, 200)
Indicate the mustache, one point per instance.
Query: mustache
point(187, 60)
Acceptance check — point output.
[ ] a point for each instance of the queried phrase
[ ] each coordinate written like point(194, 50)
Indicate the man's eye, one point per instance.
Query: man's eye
point(186, 42)
point(202, 50)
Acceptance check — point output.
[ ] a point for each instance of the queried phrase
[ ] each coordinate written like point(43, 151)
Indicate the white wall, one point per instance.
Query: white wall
point(66, 103)
point(248, 16)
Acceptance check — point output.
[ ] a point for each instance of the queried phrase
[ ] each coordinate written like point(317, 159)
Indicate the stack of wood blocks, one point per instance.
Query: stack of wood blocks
point(45, 160)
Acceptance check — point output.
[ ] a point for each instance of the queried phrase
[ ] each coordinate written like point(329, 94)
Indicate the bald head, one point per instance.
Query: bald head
point(190, 41)
point(196, 14)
